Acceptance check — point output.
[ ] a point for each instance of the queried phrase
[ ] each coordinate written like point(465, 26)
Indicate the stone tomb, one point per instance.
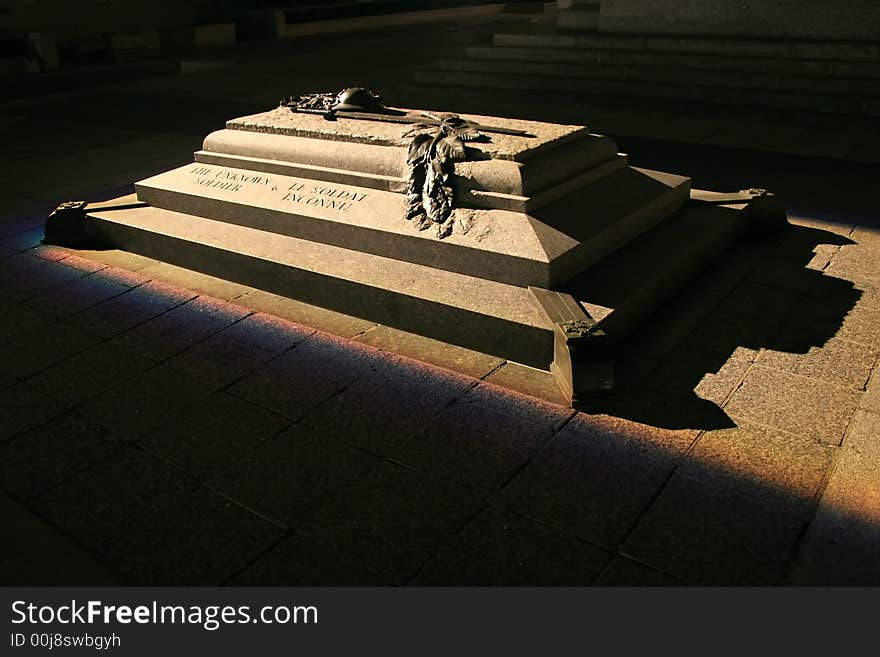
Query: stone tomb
point(558, 246)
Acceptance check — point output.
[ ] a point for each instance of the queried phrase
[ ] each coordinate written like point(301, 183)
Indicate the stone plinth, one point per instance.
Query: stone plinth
point(544, 223)
point(342, 182)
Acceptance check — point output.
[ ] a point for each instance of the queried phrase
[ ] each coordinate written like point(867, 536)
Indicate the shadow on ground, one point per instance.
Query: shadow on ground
point(182, 440)
point(757, 296)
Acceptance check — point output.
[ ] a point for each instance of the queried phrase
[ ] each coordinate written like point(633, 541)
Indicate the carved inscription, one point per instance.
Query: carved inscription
point(322, 196)
point(305, 193)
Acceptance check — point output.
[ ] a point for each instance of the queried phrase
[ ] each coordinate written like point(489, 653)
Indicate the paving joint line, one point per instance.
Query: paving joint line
point(68, 536)
point(435, 553)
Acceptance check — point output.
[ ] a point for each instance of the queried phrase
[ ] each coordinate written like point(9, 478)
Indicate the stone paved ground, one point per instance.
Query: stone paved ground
point(162, 427)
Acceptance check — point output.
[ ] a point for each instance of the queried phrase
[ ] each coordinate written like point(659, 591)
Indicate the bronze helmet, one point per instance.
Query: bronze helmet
point(357, 99)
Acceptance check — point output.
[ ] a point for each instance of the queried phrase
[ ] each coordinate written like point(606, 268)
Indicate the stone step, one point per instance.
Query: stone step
point(674, 60)
point(859, 88)
point(490, 317)
point(545, 247)
point(859, 52)
point(621, 291)
point(586, 18)
point(486, 316)
point(604, 89)
point(493, 318)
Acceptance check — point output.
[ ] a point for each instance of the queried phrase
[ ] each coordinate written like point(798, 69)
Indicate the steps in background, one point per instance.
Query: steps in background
point(569, 55)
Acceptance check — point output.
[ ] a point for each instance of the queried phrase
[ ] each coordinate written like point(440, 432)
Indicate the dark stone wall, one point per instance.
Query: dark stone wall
point(71, 20)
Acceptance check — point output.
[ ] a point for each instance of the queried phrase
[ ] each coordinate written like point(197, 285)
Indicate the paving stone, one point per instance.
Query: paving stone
point(762, 302)
point(23, 276)
point(457, 359)
point(840, 227)
point(34, 352)
point(860, 325)
point(24, 240)
point(734, 266)
point(705, 535)
point(501, 548)
point(238, 349)
point(192, 280)
point(822, 255)
point(116, 258)
point(484, 438)
point(153, 525)
point(145, 402)
point(108, 365)
point(626, 572)
point(795, 277)
point(849, 314)
point(18, 319)
point(291, 476)
point(302, 313)
point(856, 263)
point(840, 548)
point(800, 243)
point(49, 252)
point(16, 221)
point(7, 381)
point(385, 411)
point(32, 553)
point(597, 476)
point(724, 333)
point(718, 387)
point(65, 300)
point(212, 539)
point(310, 373)
point(869, 297)
point(871, 399)
point(76, 261)
point(122, 276)
point(38, 459)
point(806, 407)
point(103, 501)
point(708, 374)
point(207, 438)
point(131, 308)
point(669, 327)
point(393, 520)
point(666, 409)
point(867, 236)
point(844, 363)
point(303, 561)
point(776, 469)
point(24, 407)
point(528, 381)
point(181, 327)
point(863, 434)
point(833, 295)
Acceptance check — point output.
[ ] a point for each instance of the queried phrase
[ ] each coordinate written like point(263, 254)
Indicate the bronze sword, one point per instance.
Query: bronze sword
point(405, 118)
